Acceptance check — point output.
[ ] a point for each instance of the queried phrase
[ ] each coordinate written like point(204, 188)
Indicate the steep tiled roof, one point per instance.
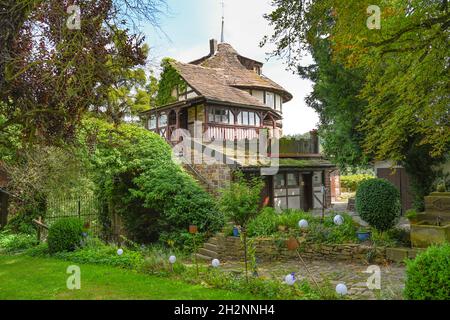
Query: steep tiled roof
point(237, 75)
point(212, 84)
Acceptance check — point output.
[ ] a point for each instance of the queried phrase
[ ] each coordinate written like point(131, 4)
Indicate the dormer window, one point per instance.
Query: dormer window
point(270, 100)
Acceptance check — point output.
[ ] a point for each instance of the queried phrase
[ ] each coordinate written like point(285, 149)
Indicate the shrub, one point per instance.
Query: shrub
point(65, 235)
point(378, 203)
point(240, 202)
point(104, 255)
point(155, 197)
point(411, 214)
point(266, 224)
point(11, 242)
point(428, 275)
point(352, 182)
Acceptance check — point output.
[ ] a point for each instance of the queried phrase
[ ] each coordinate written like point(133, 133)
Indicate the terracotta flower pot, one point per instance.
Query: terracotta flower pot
point(292, 243)
point(193, 229)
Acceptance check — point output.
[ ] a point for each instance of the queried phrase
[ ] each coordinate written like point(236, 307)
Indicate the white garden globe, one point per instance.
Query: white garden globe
point(303, 224)
point(341, 289)
point(289, 279)
point(215, 263)
point(172, 259)
point(338, 220)
point(119, 252)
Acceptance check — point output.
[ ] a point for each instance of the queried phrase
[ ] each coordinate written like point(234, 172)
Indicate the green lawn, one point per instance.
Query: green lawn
point(23, 277)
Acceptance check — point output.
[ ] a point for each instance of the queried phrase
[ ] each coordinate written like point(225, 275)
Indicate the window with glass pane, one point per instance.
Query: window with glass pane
point(257, 120)
point(163, 120)
point(279, 180)
point(152, 122)
point(240, 118)
point(219, 115)
point(270, 98)
point(251, 118)
point(292, 179)
point(245, 118)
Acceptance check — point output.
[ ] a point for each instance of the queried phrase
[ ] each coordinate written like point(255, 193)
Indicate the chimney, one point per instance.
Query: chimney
point(212, 47)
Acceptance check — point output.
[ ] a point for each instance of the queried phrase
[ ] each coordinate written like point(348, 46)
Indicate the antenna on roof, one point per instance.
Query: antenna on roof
point(222, 40)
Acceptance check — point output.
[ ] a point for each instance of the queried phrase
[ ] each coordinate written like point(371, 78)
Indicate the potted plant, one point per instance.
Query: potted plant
point(292, 243)
point(363, 234)
point(235, 231)
point(411, 215)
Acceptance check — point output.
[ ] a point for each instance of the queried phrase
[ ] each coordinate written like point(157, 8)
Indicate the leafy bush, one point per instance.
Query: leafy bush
point(267, 223)
point(156, 198)
point(411, 214)
point(352, 182)
point(11, 242)
point(157, 260)
point(104, 255)
point(240, 203)
point(94, 251)
point(262, 287)
point(391, 238)
point(65, 235)
point(378, 202)
point(428, 275)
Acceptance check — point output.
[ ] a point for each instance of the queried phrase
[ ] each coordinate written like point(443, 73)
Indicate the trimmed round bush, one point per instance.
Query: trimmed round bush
point(428, 275)
point(65, 235)
point(378, 203)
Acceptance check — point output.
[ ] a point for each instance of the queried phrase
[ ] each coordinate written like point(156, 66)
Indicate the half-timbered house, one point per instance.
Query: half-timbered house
point(226, 97)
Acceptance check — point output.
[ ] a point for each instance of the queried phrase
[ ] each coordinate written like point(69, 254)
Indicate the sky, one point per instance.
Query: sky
point(190, 24)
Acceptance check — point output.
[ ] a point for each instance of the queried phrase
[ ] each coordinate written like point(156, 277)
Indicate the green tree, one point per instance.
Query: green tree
point(51, 75)
point(136, 179)
point(241, 203)
point(398, 102)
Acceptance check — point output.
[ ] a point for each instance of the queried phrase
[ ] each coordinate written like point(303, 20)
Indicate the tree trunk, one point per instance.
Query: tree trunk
point(244, 233)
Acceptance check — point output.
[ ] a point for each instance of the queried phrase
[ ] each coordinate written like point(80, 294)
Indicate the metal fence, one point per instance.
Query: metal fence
point(84, 207)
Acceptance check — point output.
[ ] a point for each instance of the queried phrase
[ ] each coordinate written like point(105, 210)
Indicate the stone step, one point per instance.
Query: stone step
point(213, 240)
point(202, 257)
point(208, 253)
point(210, 246)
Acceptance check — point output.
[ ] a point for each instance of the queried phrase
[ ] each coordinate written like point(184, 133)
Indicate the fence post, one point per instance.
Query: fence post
point(4, 198)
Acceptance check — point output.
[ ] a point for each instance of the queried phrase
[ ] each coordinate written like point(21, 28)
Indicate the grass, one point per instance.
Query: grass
point(28, 278)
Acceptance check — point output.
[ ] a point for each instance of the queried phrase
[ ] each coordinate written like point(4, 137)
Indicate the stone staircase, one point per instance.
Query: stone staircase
point(209, 251)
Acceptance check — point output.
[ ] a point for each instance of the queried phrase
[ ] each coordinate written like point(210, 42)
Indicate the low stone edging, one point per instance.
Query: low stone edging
point(269, 249)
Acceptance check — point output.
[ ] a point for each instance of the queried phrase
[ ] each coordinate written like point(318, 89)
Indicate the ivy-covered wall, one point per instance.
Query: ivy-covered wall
point(170, 79)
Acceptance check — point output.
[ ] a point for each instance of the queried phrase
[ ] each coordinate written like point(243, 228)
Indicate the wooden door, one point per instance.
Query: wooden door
point(400, 179)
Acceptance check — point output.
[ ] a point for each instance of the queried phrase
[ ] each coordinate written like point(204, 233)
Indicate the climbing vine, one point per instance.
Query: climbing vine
point(170, 79)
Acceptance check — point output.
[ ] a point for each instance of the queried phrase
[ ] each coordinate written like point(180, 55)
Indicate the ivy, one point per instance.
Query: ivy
point(170, 79)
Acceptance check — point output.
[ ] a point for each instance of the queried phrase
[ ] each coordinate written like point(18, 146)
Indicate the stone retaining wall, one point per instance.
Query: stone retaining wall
point(269, 249)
